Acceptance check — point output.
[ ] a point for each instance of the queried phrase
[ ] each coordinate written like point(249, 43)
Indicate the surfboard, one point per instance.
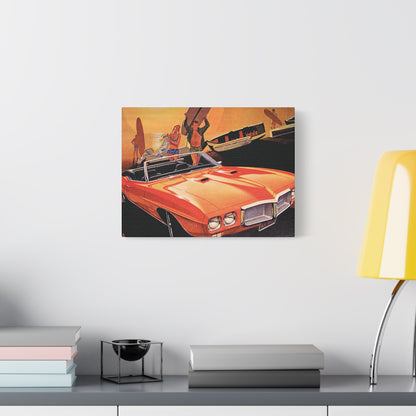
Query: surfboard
point(272, 116)
point(140, 136)
point(195, 113)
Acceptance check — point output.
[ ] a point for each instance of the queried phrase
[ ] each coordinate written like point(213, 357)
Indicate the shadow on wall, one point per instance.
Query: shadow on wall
point(88, 358)
point(302, 171)
point(337, 364)
point(11, 312)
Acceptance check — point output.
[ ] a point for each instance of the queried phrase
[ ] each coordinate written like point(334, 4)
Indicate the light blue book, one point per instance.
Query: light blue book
point(38, 380)
point(35, 366)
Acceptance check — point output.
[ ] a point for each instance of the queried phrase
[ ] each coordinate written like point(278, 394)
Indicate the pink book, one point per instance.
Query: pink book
point(38, 353)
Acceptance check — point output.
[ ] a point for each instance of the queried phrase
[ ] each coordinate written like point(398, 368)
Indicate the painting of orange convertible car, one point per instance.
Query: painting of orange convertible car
point(207, 199)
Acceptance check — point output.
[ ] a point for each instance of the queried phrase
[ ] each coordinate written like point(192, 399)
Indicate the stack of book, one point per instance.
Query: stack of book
point(255, 366)
point(38, 356)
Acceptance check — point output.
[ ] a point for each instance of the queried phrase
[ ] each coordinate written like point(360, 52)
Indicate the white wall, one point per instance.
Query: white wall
point(66, 70)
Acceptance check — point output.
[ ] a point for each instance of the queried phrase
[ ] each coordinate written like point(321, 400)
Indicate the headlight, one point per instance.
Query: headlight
point(293, 193)
point(214, 223)
point(229, 219)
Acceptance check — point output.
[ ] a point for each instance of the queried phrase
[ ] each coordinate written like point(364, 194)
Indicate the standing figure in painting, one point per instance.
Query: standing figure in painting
point(273, 123)
point(173, 139)
point(275, 120)
point(138, 142)
point(195, 137)
point(135, 151)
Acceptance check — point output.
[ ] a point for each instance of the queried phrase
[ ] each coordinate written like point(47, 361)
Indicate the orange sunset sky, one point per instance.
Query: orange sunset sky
point(160, 120)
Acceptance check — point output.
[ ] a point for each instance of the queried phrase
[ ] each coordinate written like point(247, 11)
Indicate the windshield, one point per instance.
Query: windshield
point(163, 167)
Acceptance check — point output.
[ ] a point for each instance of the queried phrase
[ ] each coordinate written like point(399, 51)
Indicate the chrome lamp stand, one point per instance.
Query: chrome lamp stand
point(379, 338)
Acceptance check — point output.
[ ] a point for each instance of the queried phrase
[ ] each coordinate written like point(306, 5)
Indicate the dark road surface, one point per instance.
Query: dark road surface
point(136, 223)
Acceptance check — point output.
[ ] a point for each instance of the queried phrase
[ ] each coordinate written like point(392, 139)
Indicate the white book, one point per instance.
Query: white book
point(256, 357)
point(35, 366)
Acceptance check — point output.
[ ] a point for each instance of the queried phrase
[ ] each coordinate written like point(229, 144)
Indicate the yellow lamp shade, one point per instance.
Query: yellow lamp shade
point(389, 244)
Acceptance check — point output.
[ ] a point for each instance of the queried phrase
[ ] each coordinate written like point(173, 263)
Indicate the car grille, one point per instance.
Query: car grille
point(283, 202)
point(257, 214)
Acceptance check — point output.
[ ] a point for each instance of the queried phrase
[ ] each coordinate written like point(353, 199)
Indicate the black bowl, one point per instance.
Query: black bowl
point(133, 352)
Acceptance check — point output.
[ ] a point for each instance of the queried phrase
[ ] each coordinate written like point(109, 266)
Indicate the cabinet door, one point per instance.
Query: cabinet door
point(372, 410)
point(58, 410)
point(222, 411)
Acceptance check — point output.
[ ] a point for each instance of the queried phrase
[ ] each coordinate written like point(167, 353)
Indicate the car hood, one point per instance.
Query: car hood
point(222, 188)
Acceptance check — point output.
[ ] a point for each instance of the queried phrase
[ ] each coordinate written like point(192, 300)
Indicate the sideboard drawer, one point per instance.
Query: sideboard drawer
point(222, 411)
point(58, 410)
point(372, 410)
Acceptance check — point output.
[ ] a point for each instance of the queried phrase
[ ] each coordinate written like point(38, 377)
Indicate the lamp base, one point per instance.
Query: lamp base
point(380, 334)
